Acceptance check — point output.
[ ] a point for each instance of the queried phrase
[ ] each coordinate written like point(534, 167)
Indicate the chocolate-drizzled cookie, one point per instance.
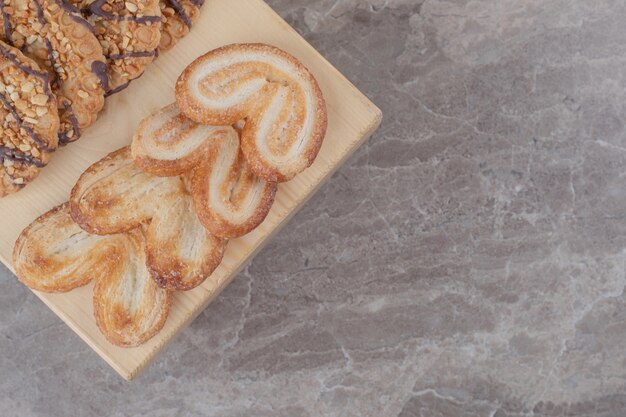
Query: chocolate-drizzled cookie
point(129, 32)
point(56, 36)
point(178, 16)
point(28, 117)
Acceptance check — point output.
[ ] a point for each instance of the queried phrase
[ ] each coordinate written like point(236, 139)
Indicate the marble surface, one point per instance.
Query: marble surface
point(469, 260)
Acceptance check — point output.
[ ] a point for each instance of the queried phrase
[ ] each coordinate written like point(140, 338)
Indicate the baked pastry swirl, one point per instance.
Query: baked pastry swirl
point(181, 253)
point(280, 99)
point(53, 254)
point(229, 198)
point(113, 195)
point(128, 305)
point(168, 143)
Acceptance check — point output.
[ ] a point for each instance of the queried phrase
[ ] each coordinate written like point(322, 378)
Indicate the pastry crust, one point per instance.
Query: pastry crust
point(168, 143)
point(180, 253)
point(228, 197)
point(128, 305)
point(280, 99)
point(53, 254)
point(113, 195)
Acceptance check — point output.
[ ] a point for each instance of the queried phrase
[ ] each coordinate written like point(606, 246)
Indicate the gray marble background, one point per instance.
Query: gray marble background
point(469, 260)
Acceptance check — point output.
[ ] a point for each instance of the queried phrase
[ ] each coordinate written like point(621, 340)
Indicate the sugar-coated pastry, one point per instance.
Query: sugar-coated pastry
point(113, 195)
point(229, 198)
point(168, 143)
point(280, 99)
point(53, 254)
point(181, 253)
point(128, 305)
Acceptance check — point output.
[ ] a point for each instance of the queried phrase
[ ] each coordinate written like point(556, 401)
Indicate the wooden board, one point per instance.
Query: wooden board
point(351, 119)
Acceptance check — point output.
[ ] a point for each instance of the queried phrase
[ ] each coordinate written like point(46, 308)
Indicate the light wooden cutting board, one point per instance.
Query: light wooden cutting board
point(351, 119)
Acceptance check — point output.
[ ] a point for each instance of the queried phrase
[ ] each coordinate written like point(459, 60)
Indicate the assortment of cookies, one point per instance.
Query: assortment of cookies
point(68, 55)
point(156, 216)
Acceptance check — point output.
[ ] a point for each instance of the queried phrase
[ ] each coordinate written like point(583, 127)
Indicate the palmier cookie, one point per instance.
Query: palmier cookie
point(128, 305)
point(53, 254)
point(229, 198)
point(177, 16)
point(54, 34)
point(181, 254)
point(279, 98)
point(169, 143)
point(30, 122)
point(129, 32)
point(114, 196)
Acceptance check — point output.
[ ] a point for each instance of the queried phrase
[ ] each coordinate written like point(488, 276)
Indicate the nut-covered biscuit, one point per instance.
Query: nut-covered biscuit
point(113, 195)
point(181, 253)
point(55, 35)
point(30, 122)
point(129, 32)
point(53, 254)
point(279, 98)
point(229, 198)
point(168, 143)
point(128, 305)
point(177, 16)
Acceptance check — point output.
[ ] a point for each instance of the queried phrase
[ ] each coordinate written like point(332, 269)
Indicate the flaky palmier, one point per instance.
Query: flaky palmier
point(181, 253)
point(280, 99)
point(168, 143)
point(113, 195)
point(53, 254)
point(229, 198)
point(128, 305)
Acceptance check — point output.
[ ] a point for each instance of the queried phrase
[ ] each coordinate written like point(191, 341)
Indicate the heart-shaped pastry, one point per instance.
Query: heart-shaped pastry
point(280, 99)
point(53, 254)
point(113, 195)
point(181, 253)
point(128, 305)
point(169, 143)
point(229, 198)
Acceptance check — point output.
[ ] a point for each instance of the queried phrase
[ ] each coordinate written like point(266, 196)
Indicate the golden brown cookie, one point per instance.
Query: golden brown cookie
point(113, 195)
point(129, 32)
point(168, 143)
point(280, 99)
point(181, 253)
point(55, 35)
point(177, 16)
point(53, 254)
point(229, 198)
point(128, 305)
point(30, 122)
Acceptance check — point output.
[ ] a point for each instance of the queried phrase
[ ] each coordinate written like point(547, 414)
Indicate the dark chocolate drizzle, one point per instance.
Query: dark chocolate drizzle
point(198, 3)
point(100, 69)
point(42, 145)
point(63, 138)
point(95, 9)
point(74, 13)
point(117, 89)
point(41, 75)
point(8, 30)
point(178, 7)
point(53, 61)
point(15, 155)
point(142, 54)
